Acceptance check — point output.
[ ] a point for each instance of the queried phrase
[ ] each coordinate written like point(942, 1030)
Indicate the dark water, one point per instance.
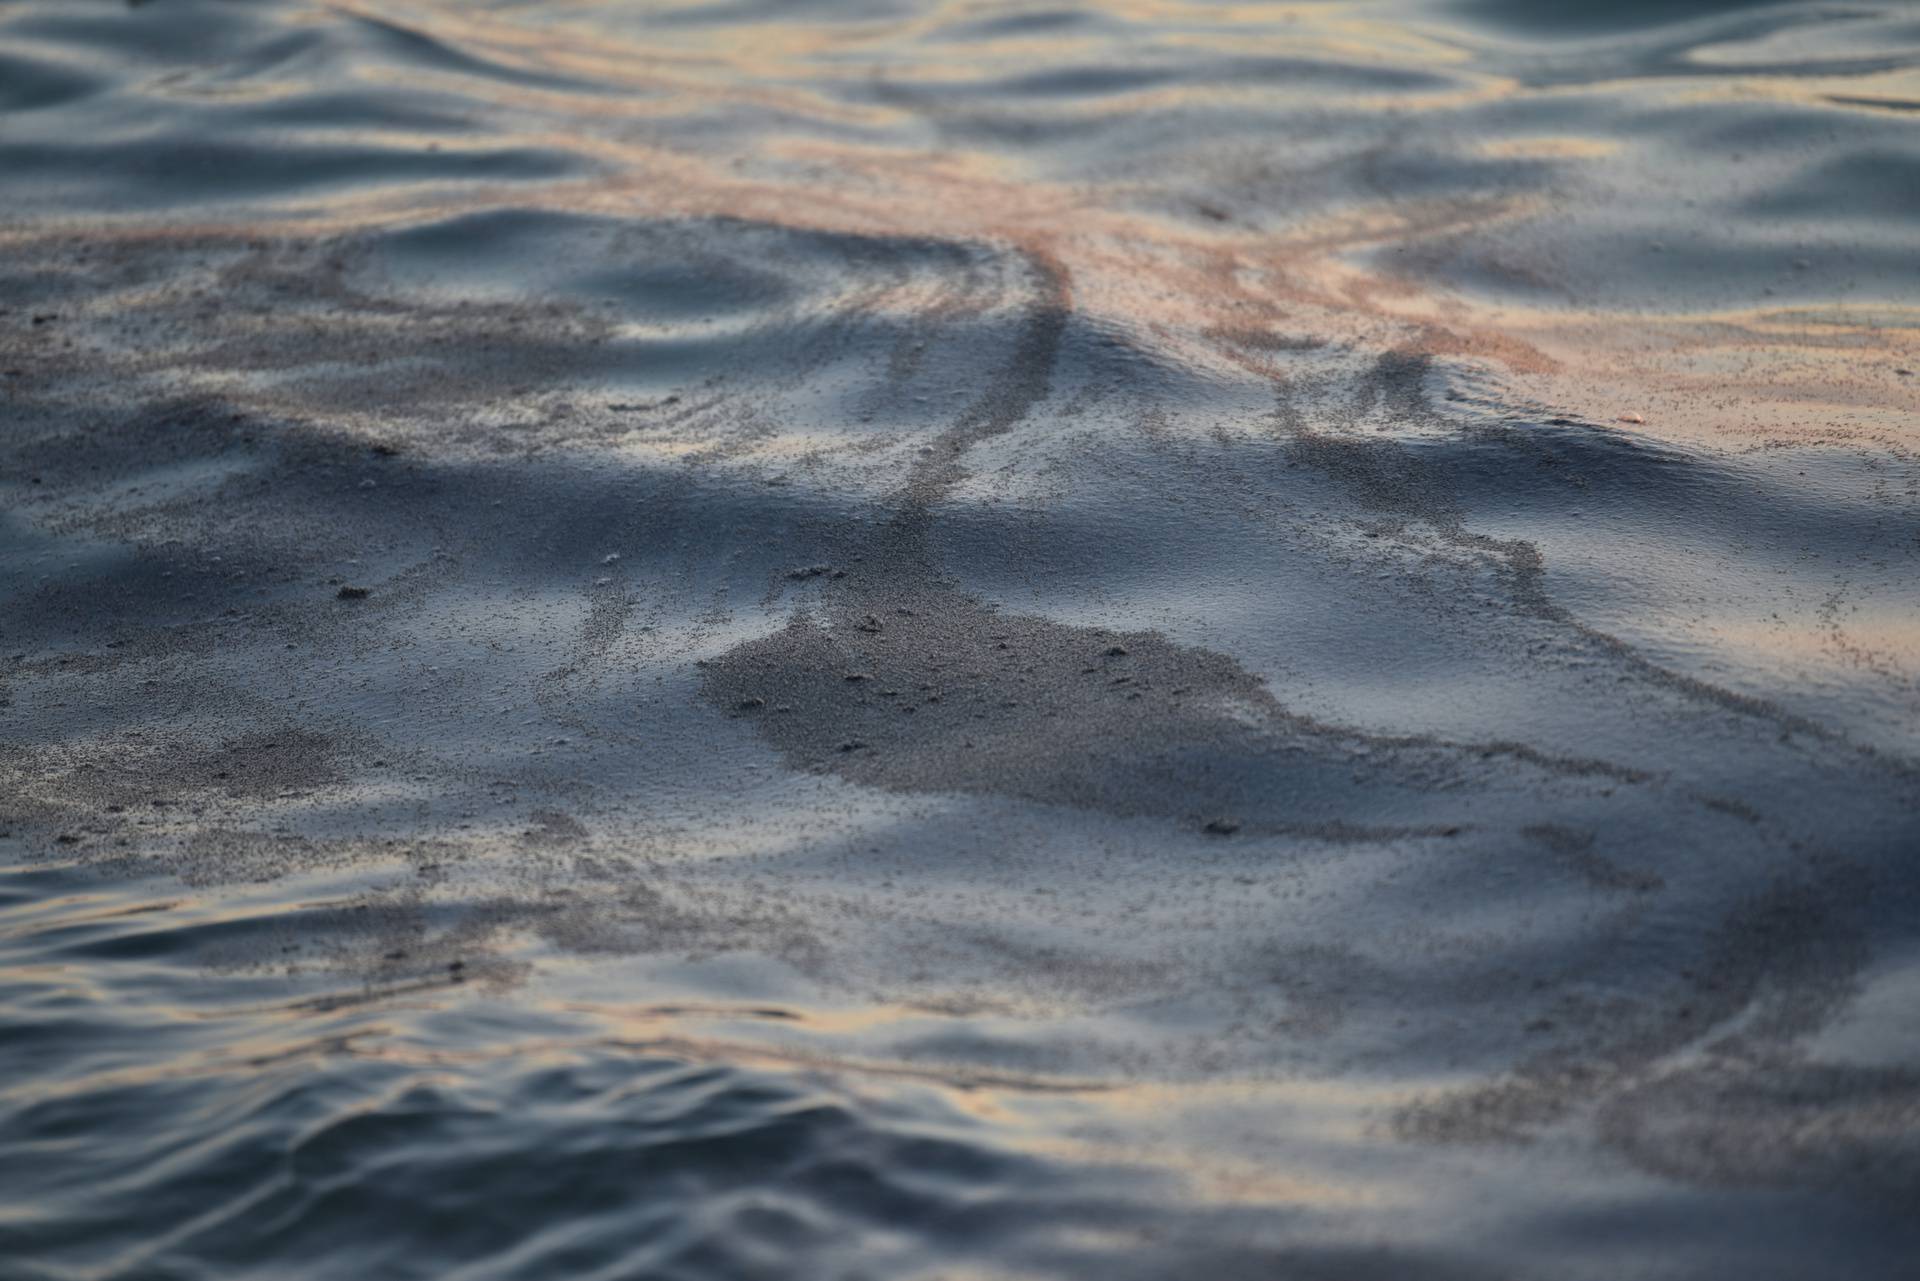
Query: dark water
point(1134, 640)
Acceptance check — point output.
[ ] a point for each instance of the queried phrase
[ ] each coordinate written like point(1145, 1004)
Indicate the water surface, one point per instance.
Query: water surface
point(873, 640)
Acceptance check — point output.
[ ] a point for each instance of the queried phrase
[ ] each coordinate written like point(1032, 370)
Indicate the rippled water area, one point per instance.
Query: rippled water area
point(947, 640)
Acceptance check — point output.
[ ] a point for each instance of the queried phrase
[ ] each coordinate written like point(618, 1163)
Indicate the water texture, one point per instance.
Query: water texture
point(853, 639)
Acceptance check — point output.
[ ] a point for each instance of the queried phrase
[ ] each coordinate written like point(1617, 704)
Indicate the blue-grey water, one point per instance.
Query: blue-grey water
point(861, 639)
